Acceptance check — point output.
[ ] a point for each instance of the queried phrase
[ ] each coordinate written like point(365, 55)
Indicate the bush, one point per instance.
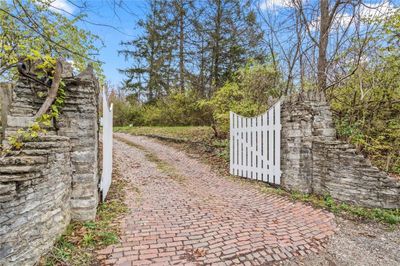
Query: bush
point(176, 109)
point(126, 113)
point(247, 95)
point(367, 110)
point(229, 98)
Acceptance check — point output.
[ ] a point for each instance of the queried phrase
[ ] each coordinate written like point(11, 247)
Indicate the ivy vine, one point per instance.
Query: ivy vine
point(16, 141)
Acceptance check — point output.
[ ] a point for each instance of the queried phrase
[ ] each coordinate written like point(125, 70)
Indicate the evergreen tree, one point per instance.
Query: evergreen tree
point(191, 44)
point(152, 73)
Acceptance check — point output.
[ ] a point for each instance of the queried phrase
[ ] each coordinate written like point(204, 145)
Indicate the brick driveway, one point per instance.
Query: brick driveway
point(184, 213)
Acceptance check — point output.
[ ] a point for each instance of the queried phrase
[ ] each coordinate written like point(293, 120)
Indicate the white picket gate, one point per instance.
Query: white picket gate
point(107, 122)
point(255, 145)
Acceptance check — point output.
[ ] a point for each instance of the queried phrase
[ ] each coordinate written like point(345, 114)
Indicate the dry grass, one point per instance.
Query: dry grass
point(78, 243)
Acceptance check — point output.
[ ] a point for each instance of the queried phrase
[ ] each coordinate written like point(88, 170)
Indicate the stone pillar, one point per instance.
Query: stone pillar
point(79, 122)
point(305, 118)
point(296, 146)
point(53, 178)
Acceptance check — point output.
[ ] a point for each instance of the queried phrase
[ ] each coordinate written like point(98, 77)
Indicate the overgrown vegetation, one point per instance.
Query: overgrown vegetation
point(367, 105)
point(36, 30)
point(247, 94)
point(77, 245)
point(174, 82)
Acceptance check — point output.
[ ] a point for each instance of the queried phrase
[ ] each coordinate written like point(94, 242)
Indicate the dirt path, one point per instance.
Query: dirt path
point(181, 212)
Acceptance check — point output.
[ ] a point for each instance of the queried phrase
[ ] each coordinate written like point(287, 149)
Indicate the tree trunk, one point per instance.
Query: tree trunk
point(216, 48)
point(181, 47)
point(323, 44)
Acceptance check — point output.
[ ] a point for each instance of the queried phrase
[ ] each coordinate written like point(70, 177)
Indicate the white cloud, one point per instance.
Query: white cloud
point(62, 5)
point(274, 4)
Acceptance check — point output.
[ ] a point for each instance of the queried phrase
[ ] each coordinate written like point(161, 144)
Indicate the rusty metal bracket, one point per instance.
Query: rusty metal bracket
point(24, 71)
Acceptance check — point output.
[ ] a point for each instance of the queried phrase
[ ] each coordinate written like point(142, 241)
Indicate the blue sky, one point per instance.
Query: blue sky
point(123, 20)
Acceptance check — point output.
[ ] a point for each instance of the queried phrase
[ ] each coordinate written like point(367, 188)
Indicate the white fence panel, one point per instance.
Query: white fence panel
point(107, 121)
point(255, 145)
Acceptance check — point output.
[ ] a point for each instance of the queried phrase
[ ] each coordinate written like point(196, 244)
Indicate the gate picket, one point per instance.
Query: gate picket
point(255, 145)
point(107, 146)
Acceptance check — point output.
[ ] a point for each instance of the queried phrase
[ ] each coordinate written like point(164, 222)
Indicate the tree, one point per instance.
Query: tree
point(233, 36)
point(152, 52)
point(201, 45)
point(32, 29)
point(319, 44)
point(179, 6)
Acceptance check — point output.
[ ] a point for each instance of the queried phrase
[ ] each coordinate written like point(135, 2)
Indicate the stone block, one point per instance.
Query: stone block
point(19, 121)
point(313, 160)
point(36, 183)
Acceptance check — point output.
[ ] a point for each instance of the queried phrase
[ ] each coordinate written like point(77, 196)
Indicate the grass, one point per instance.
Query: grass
point(218, 158)
point(78, 243)
point(390, 217)
point(202, 134)
point(163, 166)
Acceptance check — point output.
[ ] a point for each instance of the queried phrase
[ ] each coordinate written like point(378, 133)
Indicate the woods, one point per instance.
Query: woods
point(190, 45)
point(196, 60)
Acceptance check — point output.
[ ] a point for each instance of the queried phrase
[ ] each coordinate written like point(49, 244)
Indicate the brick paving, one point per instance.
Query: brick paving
point(186, 214)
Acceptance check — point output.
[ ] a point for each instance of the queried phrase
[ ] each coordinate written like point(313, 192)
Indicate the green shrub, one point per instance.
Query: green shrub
point(176, 109)
point(366, 111)
point(126, 113)
point(247, 95)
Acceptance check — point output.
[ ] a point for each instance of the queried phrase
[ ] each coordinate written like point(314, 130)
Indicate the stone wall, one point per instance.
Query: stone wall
point(314, 161)
point(346, 175)
point(50, 180)
point(35, 187)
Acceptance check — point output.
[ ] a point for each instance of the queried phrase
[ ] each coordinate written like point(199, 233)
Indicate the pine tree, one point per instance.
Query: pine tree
point(232, 37)
point(152, 73)
point(191, 44)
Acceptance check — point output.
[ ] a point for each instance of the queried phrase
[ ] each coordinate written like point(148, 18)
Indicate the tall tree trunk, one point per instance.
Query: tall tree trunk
point(150, 83)
point(216, 47)
point(181, 47)
point(323, 44)
point(202, 86)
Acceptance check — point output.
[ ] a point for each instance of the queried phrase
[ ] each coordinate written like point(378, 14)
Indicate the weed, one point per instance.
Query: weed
point(390, 217)
point(163, 166)
point(76, 246)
